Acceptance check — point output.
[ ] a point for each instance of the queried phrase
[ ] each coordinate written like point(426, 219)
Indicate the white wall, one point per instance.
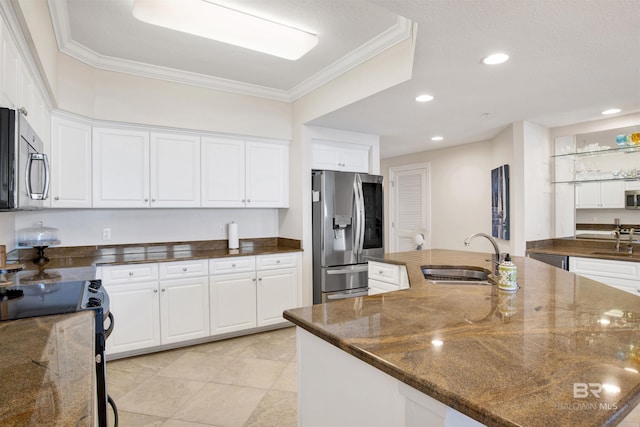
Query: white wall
point(538, 189)
point(460, 190)
point(83, 227)
point(7, 227)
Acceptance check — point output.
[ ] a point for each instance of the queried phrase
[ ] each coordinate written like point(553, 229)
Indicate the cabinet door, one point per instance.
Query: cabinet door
point(588, 195)
point(325, 157)
point(10, 71)
point(277, 292)
point(135, 310)
point(612, 194)
point(184, 309)
point(223, 173)
point(120, 168)
point(175, 170)
point(70, 163)
point(232, 302)
point(267, 174)
point(355, 160)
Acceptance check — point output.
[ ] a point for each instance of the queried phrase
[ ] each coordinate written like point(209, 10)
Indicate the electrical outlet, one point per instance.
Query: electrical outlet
point(221, 231)
point(106, 234)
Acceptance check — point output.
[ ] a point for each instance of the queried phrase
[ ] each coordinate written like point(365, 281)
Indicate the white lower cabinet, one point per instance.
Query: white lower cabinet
point(623, 275)
point(184, 309)
point(156, 304)
point(247, 292)
point(385, 277)
point(232, 302)
point(161, 304)
point(136, 315)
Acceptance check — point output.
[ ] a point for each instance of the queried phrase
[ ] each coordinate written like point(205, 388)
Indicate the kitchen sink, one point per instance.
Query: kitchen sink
point(457, 275)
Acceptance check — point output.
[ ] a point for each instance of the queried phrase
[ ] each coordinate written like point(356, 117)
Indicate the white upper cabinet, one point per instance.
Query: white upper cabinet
point(267, 175)
point(120, 168)
point(600, 195)
point(223, 175)
point(70, 163)
point(340, 156)
point(175, 170)
point(11, 67)
point(239, 173)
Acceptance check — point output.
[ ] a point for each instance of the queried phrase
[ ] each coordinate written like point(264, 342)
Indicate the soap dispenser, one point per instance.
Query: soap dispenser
point(507, 274)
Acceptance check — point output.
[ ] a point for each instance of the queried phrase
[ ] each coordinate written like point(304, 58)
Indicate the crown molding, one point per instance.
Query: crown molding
point(60, 19)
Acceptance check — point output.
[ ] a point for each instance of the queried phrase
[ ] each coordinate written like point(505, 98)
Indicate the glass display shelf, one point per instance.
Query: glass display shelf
point(583, 181)
point(617, 150)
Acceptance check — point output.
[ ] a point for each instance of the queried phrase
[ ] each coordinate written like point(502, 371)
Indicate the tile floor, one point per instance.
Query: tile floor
point(245, 381)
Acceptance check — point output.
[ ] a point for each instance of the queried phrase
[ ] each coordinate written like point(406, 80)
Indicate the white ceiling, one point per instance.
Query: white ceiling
point(570, 59)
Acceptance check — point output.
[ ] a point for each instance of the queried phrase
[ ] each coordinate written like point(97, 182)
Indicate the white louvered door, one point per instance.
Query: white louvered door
point(409, 207)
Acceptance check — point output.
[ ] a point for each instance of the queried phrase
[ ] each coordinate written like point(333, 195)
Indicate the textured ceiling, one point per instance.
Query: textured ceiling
point(570, 59)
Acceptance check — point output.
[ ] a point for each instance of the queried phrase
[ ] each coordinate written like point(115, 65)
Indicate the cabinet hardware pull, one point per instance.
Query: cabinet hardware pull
point(155, 291)
point(56, 198)
point(153, 200)
point(254, 279)
point(163, 289)
point(131, 273)
point(380, 272)
point(277, 261)
point(233, 265)
point(184, 268)
point(146, 200)
point(260, 279)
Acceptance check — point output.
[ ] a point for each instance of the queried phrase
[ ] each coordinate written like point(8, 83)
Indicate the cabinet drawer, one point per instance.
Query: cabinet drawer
point(179, 269)
point(232, 265)
point(131, 273)
point(378, 287)
point(605, 268)
point(270, 262)
point(384, 272)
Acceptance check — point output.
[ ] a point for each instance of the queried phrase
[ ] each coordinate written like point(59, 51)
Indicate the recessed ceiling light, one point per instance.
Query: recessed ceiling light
point(206, 19)
point(611, 111)
point(437, 138)
point(496, 58)
point(424, 98)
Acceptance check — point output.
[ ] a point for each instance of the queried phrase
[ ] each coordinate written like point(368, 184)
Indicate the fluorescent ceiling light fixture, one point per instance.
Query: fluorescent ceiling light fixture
point(424, 98)
point(496, 58)
point(611, 111)
point(437, 138)
point(205, 19)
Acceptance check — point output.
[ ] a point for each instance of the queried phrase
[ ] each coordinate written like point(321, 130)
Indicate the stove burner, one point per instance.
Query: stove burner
point(94, 302)
point(94, 285)
point(9, 294)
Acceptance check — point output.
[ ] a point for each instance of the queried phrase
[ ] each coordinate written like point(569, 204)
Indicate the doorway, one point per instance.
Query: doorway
point(409, 207)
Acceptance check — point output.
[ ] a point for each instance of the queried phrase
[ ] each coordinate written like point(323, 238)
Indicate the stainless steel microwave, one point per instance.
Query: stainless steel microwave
point(632, 199)
point(24, 167)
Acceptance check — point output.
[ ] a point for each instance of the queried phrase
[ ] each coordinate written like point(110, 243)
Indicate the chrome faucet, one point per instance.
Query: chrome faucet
point(616, 234)
point(630, 246)
point(495, 258)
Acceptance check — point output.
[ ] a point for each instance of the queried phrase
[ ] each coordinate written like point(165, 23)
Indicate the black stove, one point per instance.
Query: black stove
point(43, 299)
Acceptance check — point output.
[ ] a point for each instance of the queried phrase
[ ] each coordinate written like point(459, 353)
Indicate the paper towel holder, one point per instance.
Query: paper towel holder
point(233, 241)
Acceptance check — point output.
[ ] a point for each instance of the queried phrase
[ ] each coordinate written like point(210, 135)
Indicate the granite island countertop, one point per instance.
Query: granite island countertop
point(48, 371)
point(506, 359)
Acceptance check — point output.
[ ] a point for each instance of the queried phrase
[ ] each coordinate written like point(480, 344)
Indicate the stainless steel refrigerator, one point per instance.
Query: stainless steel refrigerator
point(348, 228)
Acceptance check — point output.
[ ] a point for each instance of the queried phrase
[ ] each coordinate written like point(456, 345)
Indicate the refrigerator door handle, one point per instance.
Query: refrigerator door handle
point(356, 219)
point(345, 295)
point(360, 213)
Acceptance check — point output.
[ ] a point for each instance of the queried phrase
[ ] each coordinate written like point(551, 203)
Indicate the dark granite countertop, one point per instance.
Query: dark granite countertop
point(588, 248)
point(47, 369)
point(507, 359)
point(91, 256)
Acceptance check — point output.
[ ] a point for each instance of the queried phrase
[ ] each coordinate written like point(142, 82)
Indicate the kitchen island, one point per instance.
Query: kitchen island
point(563, 350)
point(47, 366)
